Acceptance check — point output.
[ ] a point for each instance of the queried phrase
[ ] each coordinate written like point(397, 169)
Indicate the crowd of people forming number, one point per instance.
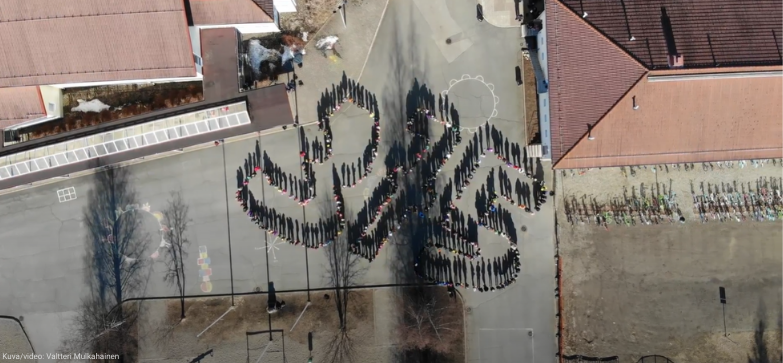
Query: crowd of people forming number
point(388, 207)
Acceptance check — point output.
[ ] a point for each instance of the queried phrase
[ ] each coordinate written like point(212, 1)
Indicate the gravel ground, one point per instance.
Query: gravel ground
point(13, 340)
point(653, 289)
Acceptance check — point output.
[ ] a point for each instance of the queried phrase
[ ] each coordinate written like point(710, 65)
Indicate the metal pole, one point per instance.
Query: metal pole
point(725, 333)
point(228, 223)
point(301, 174)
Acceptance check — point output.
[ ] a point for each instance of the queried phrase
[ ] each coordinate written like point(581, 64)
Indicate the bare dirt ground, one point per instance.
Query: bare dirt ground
point(643, 290)
point(311, 15)
point(13, 341)
point(165, 340)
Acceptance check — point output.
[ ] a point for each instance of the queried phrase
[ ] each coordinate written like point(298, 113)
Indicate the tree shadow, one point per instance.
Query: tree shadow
point(117, 267)
point(761, 352)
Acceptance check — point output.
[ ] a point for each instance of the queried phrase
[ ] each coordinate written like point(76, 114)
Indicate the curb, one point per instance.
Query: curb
point(372, 43)
point(558, 278)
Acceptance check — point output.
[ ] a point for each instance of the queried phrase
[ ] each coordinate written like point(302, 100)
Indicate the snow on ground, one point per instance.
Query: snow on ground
point(90, 106)
point(13, 340)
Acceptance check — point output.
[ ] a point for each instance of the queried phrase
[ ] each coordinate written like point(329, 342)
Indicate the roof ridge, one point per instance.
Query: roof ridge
point(631, 70)
point(90, 15)
point(600, 33)
point(603, 117)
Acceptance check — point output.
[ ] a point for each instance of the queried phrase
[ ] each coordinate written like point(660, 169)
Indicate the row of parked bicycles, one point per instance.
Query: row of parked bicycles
point(666, 168)
point(654, 206)
point(752, 201)
point(740, 164)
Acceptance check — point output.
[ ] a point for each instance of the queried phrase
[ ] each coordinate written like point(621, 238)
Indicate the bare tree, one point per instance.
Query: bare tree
point(428, 320)
point(344, 270)
point(175, 218)
point(115, 242)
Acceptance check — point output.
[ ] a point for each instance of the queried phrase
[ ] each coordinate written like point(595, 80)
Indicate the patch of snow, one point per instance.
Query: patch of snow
point(258, 54)
point(90, 106)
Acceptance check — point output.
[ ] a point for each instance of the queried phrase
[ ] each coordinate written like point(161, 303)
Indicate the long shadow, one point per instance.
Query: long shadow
point(761, 352)
point(401, 96)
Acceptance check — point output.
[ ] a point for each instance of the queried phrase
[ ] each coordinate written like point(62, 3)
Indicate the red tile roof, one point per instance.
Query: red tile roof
point(92, 40)
point(595, 70)
point(218, 12)
point(267, 5)
point(587, 75)
point(707, 33)
point(20, 104)
point(696, 120)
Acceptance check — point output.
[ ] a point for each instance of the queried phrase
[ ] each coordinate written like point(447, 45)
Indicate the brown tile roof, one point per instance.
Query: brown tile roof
point(267, 5)
point(214, 12)
point(587, 75)
point(20, 104)
point(707, 33)
point(92, 40)
point(687, 121)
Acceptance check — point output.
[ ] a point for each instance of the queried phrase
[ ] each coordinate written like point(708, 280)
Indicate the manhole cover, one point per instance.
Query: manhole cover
point(448, 40)
point(469, 310)
point(524, 228)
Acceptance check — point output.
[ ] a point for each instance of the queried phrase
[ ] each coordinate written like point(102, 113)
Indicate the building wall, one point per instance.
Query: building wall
point(543, 91)
point(195, 42)
point(53, 100)
point(246, 28)
point(198, 77)
point(285, 6)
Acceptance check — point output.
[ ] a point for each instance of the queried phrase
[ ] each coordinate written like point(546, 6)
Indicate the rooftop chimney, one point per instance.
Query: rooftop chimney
point(675, 59)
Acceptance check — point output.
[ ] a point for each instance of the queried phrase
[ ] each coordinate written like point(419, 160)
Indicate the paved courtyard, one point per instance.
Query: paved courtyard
point(43, 269)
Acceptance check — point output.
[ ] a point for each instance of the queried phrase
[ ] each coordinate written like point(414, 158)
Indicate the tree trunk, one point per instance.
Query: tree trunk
point(118, 280)
point(182, 306)
point(340, 312)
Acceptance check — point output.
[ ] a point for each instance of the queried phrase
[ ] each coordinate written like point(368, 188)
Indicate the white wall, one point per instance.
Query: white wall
point(285, 6)
point(252, 28)
point(543, 97)
point(53, 100)
point(195, 42)
point(198, 77)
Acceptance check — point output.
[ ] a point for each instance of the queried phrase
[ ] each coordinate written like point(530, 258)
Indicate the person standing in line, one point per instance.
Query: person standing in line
point(472, 276)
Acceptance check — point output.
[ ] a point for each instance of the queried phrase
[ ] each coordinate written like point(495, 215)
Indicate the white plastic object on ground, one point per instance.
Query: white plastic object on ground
point(326, 42)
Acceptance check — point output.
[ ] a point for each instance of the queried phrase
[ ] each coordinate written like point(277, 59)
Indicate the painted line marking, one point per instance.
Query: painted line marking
point(66, 194)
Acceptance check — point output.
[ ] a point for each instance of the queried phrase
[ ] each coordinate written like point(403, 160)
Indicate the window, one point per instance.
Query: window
point(51, 107)
point(544, 102)
point(197, 59)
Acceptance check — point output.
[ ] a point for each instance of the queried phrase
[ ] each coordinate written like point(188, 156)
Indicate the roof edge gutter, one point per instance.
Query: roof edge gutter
point(712, 76)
